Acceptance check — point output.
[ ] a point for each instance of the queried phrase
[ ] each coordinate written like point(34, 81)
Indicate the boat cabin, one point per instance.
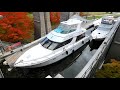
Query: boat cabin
point(108, 20)
point(68, 26)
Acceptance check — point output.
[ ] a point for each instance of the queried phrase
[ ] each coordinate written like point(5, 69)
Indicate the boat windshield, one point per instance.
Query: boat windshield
point(64, 28)
point(105, 27)
point(51, 45)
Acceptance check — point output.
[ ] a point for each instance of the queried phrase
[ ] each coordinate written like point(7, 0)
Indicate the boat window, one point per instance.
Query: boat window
point(72, 30)
point(64, 43)
point(107, 21)
point(59, 45)
point(80, 37)
point(68, 41)
point(44, 40)
point(49, 44)
point(64, 28)
point(53, 45)
point(90, 26)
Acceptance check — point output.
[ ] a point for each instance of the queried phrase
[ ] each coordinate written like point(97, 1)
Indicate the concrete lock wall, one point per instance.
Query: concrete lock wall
point(114, 51)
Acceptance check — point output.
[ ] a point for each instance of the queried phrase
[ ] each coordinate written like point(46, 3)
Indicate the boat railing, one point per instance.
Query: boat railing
point(21, 48)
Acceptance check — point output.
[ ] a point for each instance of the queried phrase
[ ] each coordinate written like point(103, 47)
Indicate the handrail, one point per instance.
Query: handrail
point(85, 71)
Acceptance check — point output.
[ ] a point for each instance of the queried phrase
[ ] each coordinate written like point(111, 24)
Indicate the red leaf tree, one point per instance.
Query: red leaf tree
point(55, 17)
point(15, 26)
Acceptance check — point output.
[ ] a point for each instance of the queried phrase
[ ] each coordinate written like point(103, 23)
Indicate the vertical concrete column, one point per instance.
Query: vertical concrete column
point(71, 14)
point(42, 24)
point(47, 22)
point(37, 25)
point(64, 16)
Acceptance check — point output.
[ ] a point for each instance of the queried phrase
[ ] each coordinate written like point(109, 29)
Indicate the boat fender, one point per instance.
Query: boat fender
point(66, 52)
point(82, 42)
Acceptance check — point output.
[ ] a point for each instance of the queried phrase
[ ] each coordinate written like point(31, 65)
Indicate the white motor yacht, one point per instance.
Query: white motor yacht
point(58, 44)
point(104, 28)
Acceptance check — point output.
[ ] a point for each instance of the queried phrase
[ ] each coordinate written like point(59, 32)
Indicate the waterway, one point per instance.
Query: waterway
point(68, 67)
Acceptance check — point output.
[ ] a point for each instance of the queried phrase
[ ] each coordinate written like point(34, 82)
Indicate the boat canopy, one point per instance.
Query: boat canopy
point(108, 20)
point(55, 38)
point(67, 26)
point(65, 29)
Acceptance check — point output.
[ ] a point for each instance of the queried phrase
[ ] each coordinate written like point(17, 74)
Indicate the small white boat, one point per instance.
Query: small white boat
point(103, 29)
point(58, 44)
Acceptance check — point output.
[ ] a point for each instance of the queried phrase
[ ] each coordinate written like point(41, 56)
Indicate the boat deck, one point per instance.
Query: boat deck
point(85, 25)
point(10, 60)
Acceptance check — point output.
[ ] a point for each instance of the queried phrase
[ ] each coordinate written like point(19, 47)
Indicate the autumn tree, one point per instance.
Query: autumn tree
point(15, 26)
point(55, 17)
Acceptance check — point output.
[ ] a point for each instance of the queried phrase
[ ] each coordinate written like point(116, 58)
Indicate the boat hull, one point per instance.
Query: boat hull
point(98, 39)
point(49, 62)
point(57, 58)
